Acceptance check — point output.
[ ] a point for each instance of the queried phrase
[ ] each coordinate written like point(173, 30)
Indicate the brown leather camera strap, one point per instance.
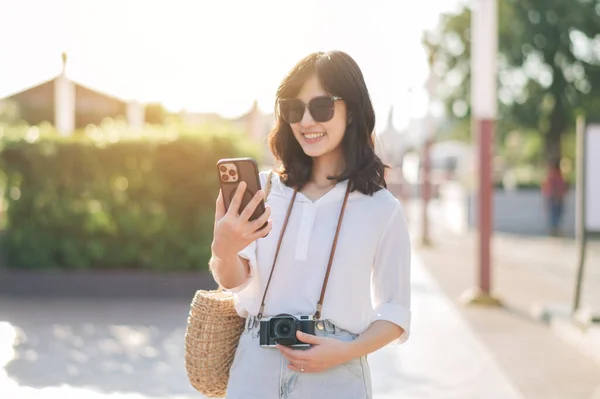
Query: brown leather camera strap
point(287, 218)
point(317, 314)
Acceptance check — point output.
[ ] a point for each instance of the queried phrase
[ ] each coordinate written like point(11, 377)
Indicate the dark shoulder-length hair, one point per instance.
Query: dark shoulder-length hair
point(339, 75)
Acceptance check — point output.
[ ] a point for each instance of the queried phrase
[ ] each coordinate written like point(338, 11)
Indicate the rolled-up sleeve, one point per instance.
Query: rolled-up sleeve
point(391, 275)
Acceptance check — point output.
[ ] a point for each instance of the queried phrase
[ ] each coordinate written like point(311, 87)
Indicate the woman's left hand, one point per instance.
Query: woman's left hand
point(324, 353)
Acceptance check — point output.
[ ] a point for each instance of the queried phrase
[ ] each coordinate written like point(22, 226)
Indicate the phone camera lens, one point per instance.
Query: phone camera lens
point(232, 172)
point(225, 177)
point(223, 168)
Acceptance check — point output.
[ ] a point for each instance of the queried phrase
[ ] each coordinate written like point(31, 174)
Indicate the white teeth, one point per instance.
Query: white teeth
point(312, 136)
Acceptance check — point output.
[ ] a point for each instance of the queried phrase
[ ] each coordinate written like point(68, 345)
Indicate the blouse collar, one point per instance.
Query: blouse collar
point(334, 195)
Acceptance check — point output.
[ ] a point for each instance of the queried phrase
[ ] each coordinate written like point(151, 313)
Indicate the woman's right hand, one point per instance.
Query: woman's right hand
point(233, 231)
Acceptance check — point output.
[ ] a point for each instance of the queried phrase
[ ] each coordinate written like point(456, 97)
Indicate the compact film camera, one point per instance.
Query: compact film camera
point(281, 329)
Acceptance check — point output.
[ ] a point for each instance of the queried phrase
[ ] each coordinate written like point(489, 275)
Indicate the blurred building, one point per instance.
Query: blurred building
point(255, 123)
point(70, 105)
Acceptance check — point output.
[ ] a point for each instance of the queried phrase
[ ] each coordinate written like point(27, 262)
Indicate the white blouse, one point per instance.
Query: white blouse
point(370, 274)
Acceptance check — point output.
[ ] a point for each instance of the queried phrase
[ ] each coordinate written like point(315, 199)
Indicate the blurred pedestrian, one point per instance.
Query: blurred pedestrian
point(554, 190)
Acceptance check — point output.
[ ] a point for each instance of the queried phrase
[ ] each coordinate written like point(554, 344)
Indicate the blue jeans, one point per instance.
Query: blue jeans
point(262, 373)
point(555, 210)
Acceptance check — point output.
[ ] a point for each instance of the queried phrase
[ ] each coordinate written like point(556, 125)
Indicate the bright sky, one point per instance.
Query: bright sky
point(216, 56)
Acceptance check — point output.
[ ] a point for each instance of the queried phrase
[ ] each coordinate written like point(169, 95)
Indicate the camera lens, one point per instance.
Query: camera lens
point(284, 328)
point(223, 168)
point(225, 177)
point(232, 172)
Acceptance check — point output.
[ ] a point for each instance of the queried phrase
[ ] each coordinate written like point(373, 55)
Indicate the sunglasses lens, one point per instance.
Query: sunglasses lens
point(321, 109)
point(292, 110)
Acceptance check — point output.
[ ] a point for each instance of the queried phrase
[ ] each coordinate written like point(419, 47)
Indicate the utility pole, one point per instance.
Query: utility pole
point(484, 53)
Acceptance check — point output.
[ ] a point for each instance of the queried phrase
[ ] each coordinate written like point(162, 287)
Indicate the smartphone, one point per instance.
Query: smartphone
point(231, 172)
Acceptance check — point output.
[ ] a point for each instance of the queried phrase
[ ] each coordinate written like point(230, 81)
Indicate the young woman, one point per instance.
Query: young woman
point(328, 171)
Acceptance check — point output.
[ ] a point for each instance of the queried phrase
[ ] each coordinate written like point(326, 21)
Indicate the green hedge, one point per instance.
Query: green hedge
point(140, 202)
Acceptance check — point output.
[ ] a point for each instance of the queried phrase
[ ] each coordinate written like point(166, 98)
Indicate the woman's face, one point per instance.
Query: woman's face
point(319, 138)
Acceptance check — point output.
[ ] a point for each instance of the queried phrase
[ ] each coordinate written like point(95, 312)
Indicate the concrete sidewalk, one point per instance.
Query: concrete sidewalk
point(133, 349)
point(529, 274)
point(444, 358)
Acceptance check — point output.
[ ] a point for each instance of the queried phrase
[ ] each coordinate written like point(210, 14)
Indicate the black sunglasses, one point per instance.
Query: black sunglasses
point(321, 108)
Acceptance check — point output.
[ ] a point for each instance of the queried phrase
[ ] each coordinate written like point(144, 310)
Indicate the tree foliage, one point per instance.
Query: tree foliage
point(548, 65)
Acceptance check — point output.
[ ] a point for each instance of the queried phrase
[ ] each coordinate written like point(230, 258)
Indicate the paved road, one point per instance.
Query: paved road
point(133, 350)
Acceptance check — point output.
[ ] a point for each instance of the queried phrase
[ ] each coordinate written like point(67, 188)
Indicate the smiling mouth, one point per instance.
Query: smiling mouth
point(313, 136)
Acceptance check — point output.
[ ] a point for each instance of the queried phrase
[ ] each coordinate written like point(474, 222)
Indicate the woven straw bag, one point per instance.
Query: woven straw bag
point(211, 338)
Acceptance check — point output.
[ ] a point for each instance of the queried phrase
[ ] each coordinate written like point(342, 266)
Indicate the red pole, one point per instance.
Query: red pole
point(485, 130)
point(484, 54)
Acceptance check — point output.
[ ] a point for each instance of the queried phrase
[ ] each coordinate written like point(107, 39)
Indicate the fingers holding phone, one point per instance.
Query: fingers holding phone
point(263, 225)
point(249, 208)
point(236, 201)
point(252, 205)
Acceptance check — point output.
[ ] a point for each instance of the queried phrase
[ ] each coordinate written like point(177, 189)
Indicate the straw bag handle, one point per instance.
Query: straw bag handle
point(268, 184)
point(317, 314)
